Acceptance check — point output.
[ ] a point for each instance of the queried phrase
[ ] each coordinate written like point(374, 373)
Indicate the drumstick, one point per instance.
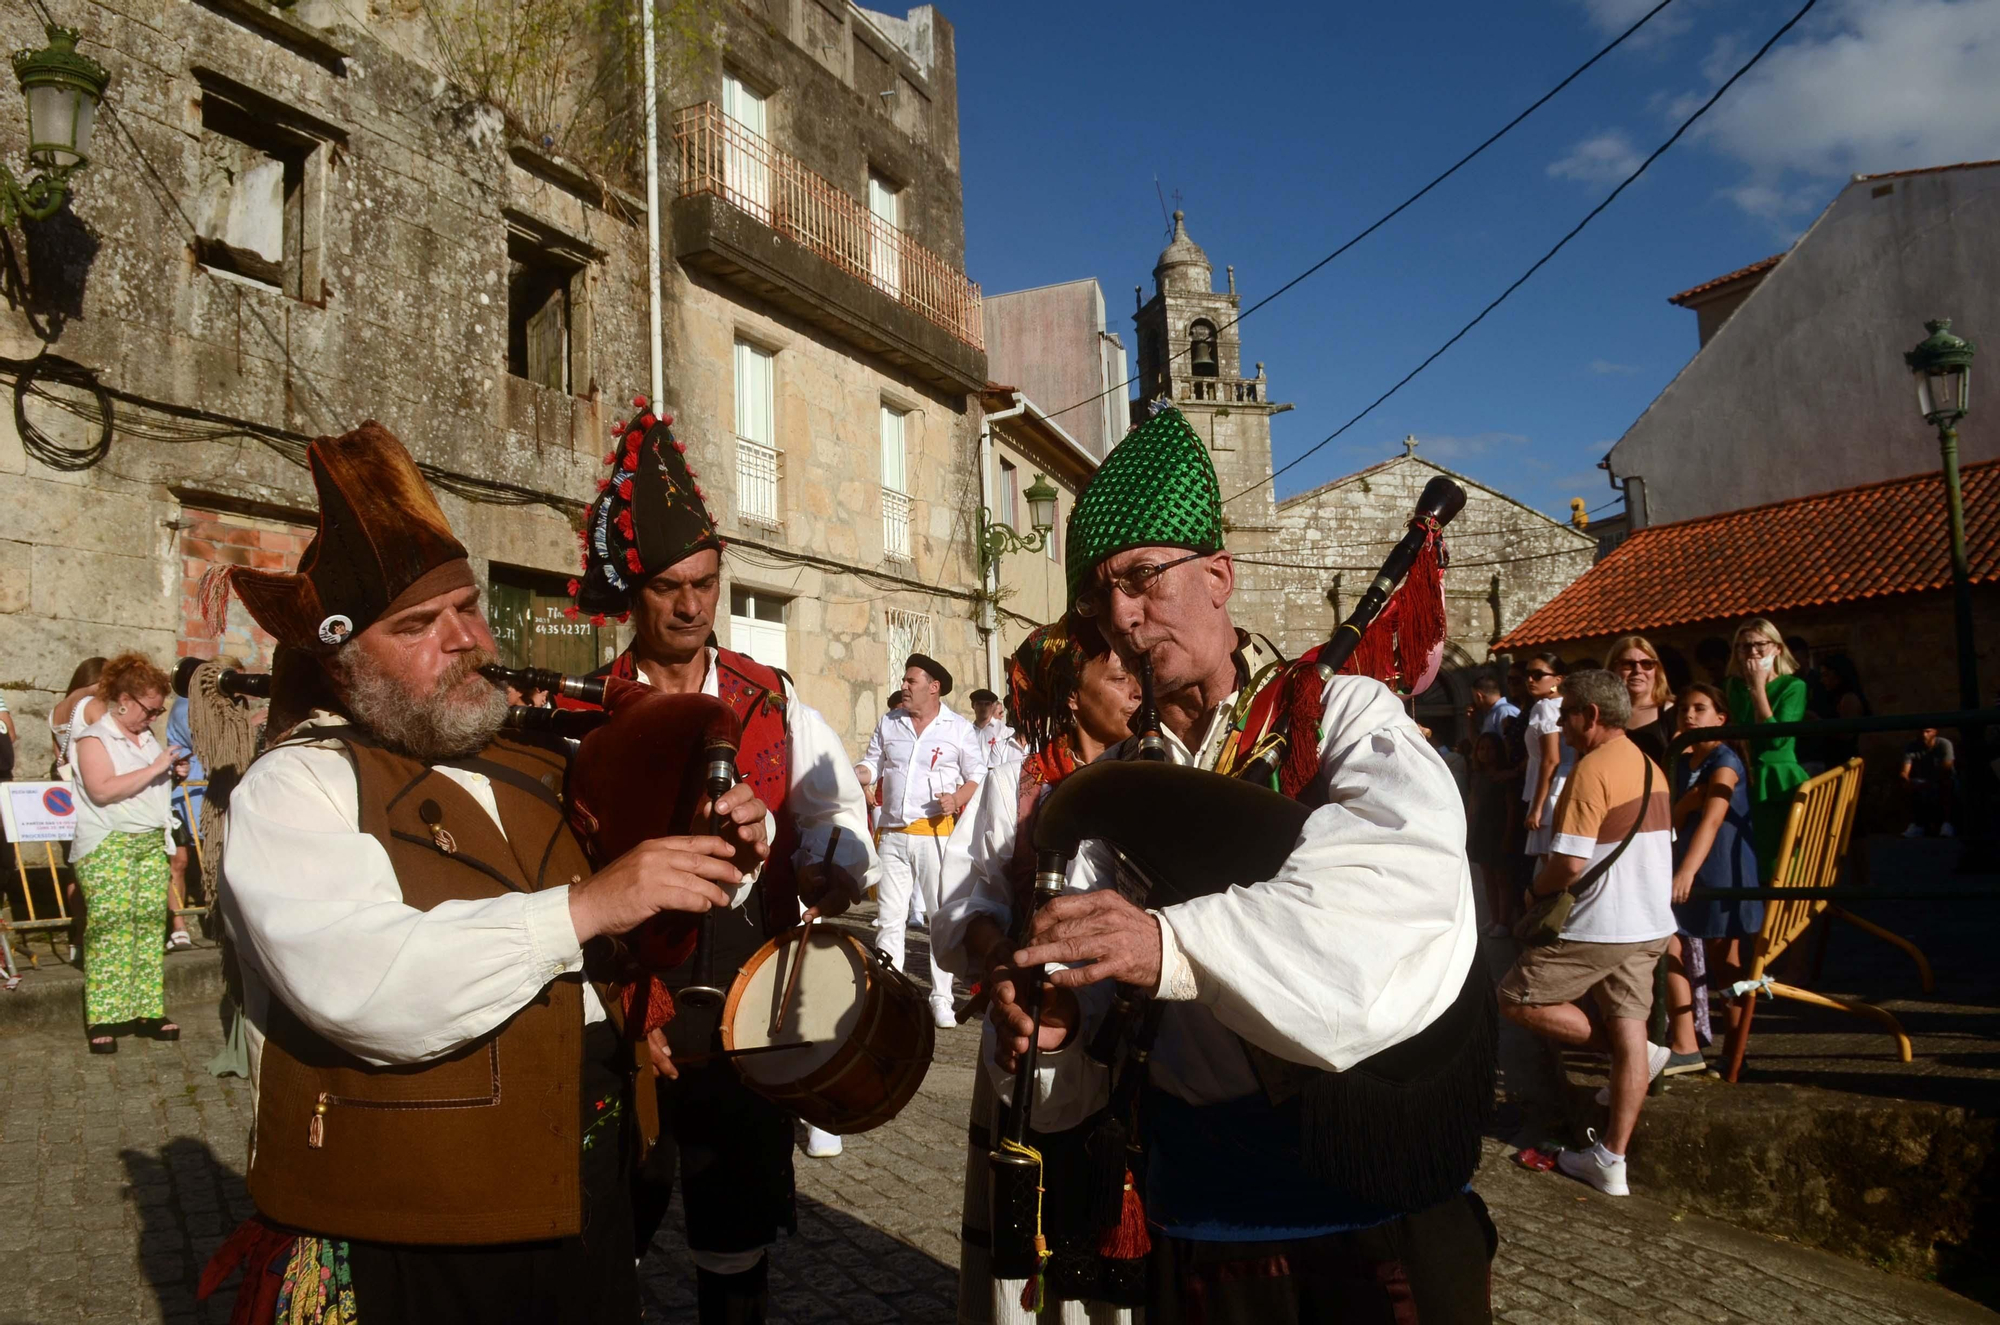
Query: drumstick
point(805, 937)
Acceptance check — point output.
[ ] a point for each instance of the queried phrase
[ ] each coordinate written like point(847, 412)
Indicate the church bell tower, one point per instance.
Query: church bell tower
point(1191, 357)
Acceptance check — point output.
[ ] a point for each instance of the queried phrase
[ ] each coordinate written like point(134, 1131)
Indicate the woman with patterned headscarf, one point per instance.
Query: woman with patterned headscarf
point(1072, 699)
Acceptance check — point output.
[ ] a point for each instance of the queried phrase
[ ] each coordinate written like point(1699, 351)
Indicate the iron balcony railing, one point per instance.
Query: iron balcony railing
point(896, 524)
point(720, 156)
point(756, 481)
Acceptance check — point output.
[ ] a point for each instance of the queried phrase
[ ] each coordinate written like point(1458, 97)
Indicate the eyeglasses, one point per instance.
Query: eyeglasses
point(1134, 583)
point(1537, 675)
point(152, 714)
point(1565, 713)
point(1635, 665)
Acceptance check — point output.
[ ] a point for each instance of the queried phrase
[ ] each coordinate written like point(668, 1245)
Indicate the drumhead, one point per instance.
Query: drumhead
point(825, 1010)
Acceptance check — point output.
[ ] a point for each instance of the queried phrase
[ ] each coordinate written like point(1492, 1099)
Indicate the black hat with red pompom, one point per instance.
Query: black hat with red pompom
point(649, 514)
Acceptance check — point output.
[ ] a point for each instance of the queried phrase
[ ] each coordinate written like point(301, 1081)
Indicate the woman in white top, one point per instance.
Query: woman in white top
point(1549, 759)
point(1072, 703)
point(121, 853)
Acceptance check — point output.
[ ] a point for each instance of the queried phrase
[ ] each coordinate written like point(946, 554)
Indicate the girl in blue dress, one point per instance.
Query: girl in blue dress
point(1714, 847)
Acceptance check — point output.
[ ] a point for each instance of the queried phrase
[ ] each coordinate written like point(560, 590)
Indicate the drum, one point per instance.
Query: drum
point(864, 1031)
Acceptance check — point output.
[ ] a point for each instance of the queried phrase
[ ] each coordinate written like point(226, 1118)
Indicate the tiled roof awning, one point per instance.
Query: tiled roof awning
point(1834, 547)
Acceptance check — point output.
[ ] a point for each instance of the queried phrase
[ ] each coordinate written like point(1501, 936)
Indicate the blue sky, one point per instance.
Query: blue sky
point(1287, 127)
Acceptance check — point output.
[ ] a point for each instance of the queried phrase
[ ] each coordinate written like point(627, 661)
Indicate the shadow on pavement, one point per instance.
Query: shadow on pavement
point(185, 1196)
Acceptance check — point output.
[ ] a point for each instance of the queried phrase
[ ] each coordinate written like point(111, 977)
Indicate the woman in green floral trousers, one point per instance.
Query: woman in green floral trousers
point(120, 855)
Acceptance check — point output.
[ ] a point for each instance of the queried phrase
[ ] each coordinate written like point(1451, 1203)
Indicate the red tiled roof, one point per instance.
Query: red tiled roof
point(1835, 547)
point(1741, 273)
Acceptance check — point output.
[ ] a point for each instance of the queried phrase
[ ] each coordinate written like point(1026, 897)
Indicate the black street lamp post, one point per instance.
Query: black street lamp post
point(1942, 363)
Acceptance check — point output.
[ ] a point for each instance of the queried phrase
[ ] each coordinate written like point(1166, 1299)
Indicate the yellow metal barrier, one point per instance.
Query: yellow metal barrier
point(1810, 855)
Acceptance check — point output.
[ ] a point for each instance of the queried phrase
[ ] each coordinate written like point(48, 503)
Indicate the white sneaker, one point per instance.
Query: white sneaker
point(821, 1145)
point(945, 1015)
point(1656, 1063)
point(1914, 830)
point(1596, 1166)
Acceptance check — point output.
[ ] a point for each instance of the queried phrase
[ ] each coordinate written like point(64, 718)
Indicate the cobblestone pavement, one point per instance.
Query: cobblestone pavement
point(118, 1176)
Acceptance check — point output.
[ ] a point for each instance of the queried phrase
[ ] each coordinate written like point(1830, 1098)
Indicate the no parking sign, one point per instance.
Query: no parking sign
point(39, 811)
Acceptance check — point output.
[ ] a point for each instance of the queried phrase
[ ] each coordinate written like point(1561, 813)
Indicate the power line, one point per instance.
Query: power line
point(1400, 207)
point(1542, 261)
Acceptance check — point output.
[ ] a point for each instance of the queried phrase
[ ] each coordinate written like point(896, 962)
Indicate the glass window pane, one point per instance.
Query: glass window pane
point(893, 473)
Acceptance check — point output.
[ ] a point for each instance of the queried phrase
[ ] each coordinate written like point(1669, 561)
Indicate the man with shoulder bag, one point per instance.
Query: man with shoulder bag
point(1599, 916)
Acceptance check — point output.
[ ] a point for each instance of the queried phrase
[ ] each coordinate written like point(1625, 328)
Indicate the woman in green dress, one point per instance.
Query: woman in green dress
point(1764, 687)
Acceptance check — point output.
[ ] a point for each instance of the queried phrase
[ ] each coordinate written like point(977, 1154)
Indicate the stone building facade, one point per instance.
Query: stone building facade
point(292, 223)
point(1303, 561)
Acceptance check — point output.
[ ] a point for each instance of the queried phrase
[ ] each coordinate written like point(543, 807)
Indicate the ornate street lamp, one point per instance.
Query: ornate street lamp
point(1942, 364)
point(62, 89)
point(997, 540)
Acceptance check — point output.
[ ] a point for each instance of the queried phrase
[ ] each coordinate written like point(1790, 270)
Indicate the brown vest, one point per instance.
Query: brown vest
point(479, 1146)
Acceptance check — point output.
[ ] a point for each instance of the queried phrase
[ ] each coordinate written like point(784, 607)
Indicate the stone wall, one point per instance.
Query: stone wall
point(1346, 528)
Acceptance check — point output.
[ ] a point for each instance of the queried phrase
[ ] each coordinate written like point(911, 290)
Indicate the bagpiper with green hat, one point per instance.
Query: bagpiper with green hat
point(1315, 1095)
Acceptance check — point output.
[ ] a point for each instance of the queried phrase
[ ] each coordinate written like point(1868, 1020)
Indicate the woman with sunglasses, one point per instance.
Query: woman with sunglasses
point(1764, 686)
point(1549, 756)
point(1634, 660)
point(123, 837)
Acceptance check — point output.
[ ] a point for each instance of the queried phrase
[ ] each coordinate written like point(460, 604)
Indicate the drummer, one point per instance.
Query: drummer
point(653, 552)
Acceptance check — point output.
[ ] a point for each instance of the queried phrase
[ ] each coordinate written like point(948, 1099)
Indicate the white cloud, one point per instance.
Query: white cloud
point(1878, 85)
point(1612, 17)
point(1606, 368)
point(1603, 158)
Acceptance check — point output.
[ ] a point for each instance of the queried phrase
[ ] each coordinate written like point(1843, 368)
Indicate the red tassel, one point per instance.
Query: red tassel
point(597, 619)
point(1129, 1240)
point(1306, 706)
point(632, 560)
point(646, 420)
point(603, 483)
point(623, 617)
point(638, 402)
point(611, 456)
point(572, 612)
point(618, 427)
point(625, 523)
point(575, 587)
point(681, 447)
point(212, 597)
point(625, 488)
point(667, 419)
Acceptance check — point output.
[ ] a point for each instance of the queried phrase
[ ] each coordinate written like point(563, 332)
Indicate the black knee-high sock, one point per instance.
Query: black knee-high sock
point(733, 1299)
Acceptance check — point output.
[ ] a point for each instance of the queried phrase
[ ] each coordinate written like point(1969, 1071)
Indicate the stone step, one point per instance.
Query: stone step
point(50, 996)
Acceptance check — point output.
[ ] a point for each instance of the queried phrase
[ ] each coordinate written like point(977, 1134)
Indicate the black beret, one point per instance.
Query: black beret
point(934, 667)
point(983, 697)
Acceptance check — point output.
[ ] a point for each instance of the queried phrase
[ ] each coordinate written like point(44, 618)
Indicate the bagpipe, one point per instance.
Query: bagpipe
point(1178, 832)
point(815, 1020)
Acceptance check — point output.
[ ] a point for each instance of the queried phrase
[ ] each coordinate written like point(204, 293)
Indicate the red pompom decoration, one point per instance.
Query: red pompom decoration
point(632, 440)
point(632, 560)
point(623, 617)
point(646, 420)
point(603, 483)
point(699, 493)
point(681, 447)
point(572, 612)
point(597, 619)
point(667, 419)
point(611, 457)
point(638, 402)
point(618, 427)
point(575, 587)
point(625, 524)
point(631, 461)
point(625, 488)
point(693, 472)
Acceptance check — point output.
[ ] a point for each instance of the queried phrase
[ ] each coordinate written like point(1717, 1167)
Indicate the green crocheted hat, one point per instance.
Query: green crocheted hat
point(1156, 489)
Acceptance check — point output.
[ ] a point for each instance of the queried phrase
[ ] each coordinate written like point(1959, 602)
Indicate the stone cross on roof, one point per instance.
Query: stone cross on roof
point(1410, 444)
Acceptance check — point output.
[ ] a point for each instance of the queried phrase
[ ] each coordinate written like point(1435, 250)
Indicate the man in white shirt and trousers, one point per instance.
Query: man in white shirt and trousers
point(930, 762)
point(996, 738)
point(1313, 1101)
point(440, 1093)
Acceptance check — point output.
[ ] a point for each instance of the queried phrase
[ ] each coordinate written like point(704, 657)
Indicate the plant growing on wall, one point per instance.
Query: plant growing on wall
point(567, 74)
